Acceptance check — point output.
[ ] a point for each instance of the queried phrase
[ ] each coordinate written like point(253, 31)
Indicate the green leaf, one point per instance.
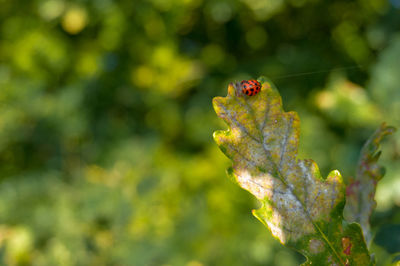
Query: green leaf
point(300, 208)
point(360, 193)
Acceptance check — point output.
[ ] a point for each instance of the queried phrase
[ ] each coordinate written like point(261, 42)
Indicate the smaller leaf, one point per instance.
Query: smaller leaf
point(360, 192)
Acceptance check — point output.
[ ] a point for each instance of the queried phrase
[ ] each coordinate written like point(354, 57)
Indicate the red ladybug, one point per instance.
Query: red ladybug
point(250, 87)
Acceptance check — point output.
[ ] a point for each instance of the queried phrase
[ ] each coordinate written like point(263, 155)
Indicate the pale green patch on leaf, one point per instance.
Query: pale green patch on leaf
point(301, 209)
point(360, 193)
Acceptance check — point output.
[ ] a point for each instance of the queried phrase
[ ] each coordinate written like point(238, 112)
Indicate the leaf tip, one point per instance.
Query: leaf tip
point(232, 89)
point(335, 175)
point(266, 82)
point(384, 129)
point(217, 137)
point(390, 130)
point(215, 102)
point(218, 105)
point(262, 79)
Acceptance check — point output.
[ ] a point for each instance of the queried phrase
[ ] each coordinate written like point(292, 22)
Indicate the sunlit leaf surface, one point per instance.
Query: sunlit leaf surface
point(300, 208)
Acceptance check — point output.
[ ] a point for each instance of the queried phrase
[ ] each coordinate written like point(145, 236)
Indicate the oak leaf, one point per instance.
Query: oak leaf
point(301, 209)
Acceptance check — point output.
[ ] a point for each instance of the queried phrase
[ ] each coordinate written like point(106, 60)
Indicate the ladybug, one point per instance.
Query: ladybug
point(250, 87)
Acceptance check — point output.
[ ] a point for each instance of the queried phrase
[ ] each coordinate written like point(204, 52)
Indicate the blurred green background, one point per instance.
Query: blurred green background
point(106, 150)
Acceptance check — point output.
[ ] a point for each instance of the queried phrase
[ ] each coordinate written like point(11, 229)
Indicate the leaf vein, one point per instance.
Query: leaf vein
point(284, 142)
point(265, 119)
point(241, 155)
point(238, 124)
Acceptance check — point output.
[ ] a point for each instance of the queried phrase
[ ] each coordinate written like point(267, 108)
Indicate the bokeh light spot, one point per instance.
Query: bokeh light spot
point(142, 76)
point(163, 56)
point(221, 12)
point(88, 64)
point(74, 20)
point(213, 55)
point(194, 263)
point(51, 9)
point(325, 100)
point(155, 27)
point(256, 37)
point(264, 9)
point(346, 34)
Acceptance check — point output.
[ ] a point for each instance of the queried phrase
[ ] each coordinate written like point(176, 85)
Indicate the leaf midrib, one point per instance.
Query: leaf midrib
point(277, 170)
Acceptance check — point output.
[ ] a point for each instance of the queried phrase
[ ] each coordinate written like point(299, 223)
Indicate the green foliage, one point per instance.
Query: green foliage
point(301, 209)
